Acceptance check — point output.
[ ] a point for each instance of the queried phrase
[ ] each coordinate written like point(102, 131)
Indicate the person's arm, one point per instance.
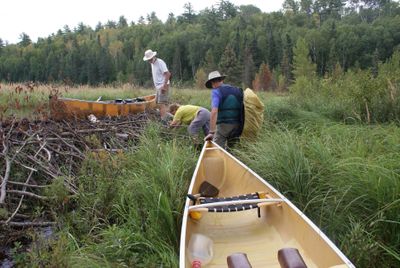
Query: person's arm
point(215, 99)
point(175, 123)
point(213, 124)
point(167, 75)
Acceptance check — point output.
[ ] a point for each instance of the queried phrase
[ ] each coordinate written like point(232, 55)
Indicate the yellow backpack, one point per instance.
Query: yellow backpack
point(254, 114)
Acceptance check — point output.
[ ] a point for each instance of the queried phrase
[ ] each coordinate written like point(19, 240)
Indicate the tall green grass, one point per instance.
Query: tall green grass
point(345, 178)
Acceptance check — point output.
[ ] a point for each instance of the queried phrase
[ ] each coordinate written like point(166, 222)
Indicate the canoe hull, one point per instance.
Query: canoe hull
point(279, 226)
point(66, 108)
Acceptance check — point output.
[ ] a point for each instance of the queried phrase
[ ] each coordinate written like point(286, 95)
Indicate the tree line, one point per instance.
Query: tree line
point(253, 48)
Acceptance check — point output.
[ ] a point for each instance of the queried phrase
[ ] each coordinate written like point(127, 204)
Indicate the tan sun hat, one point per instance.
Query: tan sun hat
point(211, 76)
point(149, 54)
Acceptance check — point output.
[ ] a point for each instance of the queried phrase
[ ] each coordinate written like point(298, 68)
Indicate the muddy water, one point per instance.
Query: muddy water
point(5, 258)
point(45, 236)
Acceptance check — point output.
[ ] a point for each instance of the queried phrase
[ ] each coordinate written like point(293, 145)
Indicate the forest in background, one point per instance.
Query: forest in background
point(255, 49)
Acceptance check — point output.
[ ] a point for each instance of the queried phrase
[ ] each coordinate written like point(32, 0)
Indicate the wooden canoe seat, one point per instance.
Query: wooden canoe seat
point(290, 258)
point(238, 260)
point(231, 208)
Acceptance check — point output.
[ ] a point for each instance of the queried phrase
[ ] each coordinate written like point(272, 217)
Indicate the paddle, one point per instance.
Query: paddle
point(206, 190)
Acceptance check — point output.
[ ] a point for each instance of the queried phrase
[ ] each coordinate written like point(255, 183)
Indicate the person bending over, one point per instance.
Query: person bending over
point(195, 116)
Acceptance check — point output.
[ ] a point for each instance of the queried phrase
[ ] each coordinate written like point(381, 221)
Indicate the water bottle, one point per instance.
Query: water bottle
point(200, 250)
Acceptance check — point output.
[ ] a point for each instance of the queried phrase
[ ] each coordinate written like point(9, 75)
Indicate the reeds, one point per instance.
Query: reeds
point(345, 178)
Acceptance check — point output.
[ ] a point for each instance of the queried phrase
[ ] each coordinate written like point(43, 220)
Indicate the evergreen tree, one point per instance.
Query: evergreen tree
point(230, 66)
point(227, 10)
point(302, 64)
point(111, 24)
point(286, 68)
point(209, 62)
point(273, 54)
point(122, 22)
point(25, 40)
point(188, 15)
point(1, 45)
point(177, 64)
point(249, 68)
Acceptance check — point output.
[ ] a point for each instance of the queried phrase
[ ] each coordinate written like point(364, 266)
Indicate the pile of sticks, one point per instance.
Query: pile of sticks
point(33, 154)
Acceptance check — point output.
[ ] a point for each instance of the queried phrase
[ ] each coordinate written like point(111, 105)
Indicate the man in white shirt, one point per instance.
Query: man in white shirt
point(161, 77)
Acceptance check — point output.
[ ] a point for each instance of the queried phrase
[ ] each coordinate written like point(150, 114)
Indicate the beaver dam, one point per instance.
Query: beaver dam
point(39, 163)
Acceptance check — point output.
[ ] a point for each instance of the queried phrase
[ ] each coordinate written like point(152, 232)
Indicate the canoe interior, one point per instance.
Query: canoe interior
point(64, 108)
point(280, 226)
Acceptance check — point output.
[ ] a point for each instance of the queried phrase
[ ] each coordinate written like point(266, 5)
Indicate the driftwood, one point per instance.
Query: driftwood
point(33, 154)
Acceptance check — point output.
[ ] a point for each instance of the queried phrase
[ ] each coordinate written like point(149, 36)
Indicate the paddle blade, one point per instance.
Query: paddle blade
point(208, 190)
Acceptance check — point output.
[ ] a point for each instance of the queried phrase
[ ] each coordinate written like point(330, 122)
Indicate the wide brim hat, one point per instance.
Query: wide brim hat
point(149, 54)
point(213, 75)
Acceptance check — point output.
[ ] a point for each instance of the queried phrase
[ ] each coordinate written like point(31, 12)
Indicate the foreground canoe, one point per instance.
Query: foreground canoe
point(259, 225)
point(64, 108)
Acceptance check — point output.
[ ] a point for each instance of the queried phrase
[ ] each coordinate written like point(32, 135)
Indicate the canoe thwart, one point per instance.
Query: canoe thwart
point(232, 206)
point(206, 200)
point(238, 260)
point(290, 258)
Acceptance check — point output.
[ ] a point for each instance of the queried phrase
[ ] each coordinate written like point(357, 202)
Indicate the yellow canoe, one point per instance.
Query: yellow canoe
point(64, 108)
point(259, 225)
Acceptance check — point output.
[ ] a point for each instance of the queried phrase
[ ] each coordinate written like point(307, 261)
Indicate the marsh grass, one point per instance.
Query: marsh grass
point(345, 178)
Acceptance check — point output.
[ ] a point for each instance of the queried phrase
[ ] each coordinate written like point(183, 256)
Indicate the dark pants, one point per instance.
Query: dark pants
point(227, 135)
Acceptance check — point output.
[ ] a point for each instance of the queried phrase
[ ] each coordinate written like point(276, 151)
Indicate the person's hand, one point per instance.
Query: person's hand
point(165, 88)
point(209, 137)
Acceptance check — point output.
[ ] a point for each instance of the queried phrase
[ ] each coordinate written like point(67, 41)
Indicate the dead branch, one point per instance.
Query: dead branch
point(28, 194)
point(22, 198)
point(42, 151)
point(28, 223)
point(6, 175)
point(27, 185)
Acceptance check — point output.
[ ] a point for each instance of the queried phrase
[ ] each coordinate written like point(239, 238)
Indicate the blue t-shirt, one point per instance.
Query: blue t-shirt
point(216, 98)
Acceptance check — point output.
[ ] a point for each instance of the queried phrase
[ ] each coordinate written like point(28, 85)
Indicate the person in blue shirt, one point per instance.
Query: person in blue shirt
point(227, 111)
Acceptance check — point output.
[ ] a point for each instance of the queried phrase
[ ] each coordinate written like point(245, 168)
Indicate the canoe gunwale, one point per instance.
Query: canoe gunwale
point(182, 242)
point(108, 102)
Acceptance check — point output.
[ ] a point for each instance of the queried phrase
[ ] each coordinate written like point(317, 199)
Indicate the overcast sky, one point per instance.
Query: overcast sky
point(41, 18)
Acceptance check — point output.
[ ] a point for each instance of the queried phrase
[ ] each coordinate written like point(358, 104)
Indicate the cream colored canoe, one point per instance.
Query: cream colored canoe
point(280, 225)
point(64, 108)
